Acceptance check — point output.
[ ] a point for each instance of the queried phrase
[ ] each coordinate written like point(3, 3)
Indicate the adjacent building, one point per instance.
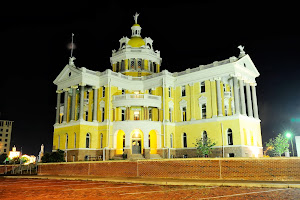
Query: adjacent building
point(5, 136)
point(138, 110)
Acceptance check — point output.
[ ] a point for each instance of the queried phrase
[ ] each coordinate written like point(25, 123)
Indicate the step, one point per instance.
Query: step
point(136, 157)
point(155, 156)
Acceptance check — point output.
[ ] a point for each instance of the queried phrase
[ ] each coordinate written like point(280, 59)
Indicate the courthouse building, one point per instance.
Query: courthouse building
point(139, 110)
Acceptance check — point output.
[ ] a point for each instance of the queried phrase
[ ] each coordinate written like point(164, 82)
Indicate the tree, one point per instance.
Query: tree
point(204, 146)
point(57, 156)
point(278, 145)
point(3, 158)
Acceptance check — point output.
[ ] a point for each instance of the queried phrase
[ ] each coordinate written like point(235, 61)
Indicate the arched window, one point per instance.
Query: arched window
point(204, 137)
point(74, 140)
point(229, 137)
point(149, 141)
point(123, 140)
point(171, 140)
point(184, 138)
point(67, 140)
point(101, 141)
point(87, 141)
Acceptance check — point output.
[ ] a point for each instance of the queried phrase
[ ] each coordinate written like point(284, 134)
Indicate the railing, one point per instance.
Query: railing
point(136, 96)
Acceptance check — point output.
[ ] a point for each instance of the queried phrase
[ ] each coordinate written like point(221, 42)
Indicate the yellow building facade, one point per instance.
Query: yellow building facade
point(139, 111)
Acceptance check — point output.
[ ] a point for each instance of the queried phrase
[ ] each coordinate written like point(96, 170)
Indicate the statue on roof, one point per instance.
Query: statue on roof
point(71, 61)
point(135, 17)
point(242, 52)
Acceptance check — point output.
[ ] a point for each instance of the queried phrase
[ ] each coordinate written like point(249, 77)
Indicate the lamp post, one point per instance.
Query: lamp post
point(289, 135)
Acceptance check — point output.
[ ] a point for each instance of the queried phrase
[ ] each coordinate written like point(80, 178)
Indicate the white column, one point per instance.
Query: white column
point(219, 99)
point(242, 93)
point(249, 102)
point(81, 102)
point(236, 95)
point(65, 105)
point(255, 108)
point(146, 140)
point(95, 104)
point(73, 102)
point(58, 106)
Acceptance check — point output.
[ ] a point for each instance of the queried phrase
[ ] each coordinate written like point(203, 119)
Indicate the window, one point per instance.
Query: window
point(123, 140)
point(171, 140)
point(103, 113)
point(150, 91)
point(204, 137)
point(155, 69)
point(4, 150)
point(150, 114)
point(184, 138)
point(149, 141)
point(183, 91)
point(139, 64)
point(86, 116)
point(87, 141)
point(123, 91)
point(103, 91)
point(170, 94)
point(203, 110)
point(226, 110)
point(67, 140)
point(231, 155)
point(123, 115)
point(101, 141)
point(229, 137)
point(136, 115)
point(202, 87)
point(6, 135)
point(6, 130)
point(1, 135)
point(74, 140)
point(170, 114)
point(5, 140)
point(184, 114)
point(5, 145)
point(132, 63)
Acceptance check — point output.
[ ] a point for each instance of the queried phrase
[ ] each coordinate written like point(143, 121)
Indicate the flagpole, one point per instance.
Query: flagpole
point(72, 45)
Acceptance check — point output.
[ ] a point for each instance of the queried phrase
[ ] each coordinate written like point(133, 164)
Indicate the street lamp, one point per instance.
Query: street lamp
point(289, 135)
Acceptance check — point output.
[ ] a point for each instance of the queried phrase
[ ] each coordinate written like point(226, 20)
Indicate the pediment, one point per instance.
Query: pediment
point(67, 73)
point(183, 103)
point(171, 104)
point(247, 63)
point(202, 100)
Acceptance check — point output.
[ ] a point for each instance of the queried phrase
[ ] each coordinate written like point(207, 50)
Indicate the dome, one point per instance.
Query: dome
point(136, 42)
point(135, 25)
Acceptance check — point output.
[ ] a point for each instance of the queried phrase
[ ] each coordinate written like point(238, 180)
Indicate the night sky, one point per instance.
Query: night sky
point(33, 51)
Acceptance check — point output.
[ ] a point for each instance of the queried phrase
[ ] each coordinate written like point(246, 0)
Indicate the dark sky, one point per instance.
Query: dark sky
point(33, 52)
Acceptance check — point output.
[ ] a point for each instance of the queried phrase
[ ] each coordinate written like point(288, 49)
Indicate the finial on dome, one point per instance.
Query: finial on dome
point(71, 61)
point(135, 17)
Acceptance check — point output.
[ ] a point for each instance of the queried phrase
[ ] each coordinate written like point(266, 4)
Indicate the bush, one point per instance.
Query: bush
point(3, 158)
point(57, 156)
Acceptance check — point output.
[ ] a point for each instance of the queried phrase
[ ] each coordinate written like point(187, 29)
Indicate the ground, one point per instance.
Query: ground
point(78, 189)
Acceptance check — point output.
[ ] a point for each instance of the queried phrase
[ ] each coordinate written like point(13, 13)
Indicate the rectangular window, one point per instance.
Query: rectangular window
point(183, 91)
point(136, 115)
point(4, 150)
point(103, 91)
point(170, 93)
point(170, 114)
point(86, 116)
point(231, 155)
point(123, 91)
point(5, 140)
point(184, 114)
point(203, 109)
point(103, 112)
point(123, 115)
point(150, 114)
point(202, 87)
point(132, 63)
point(6, 130)
point(1, 135)
point(6, 135)
point(150, 91)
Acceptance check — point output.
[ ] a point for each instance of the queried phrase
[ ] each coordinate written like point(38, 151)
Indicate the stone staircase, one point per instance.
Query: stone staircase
point(136, 157)
point(155, 156)
point(118, 157)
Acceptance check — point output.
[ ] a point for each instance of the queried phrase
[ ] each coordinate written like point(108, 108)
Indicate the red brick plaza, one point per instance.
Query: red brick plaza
point(11, 189)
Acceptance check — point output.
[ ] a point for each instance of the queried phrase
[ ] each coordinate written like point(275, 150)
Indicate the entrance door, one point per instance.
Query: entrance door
point(136, 146)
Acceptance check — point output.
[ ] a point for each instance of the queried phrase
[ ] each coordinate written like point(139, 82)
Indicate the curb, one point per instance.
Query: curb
point(181, 182)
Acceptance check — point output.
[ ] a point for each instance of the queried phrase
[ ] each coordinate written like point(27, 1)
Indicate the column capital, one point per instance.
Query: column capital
point(59, 91)
point(191, 84)
point(253, 84)
point(82, 84)
point(66, 89)
point(95, 87)
point(74, 86)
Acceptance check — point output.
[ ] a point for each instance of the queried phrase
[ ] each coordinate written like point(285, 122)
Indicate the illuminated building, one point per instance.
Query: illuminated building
point(14, 153)
point(139, 110)
point(5, 135)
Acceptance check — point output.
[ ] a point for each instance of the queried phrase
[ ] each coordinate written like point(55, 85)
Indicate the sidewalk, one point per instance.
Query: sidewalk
point(169, 181)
